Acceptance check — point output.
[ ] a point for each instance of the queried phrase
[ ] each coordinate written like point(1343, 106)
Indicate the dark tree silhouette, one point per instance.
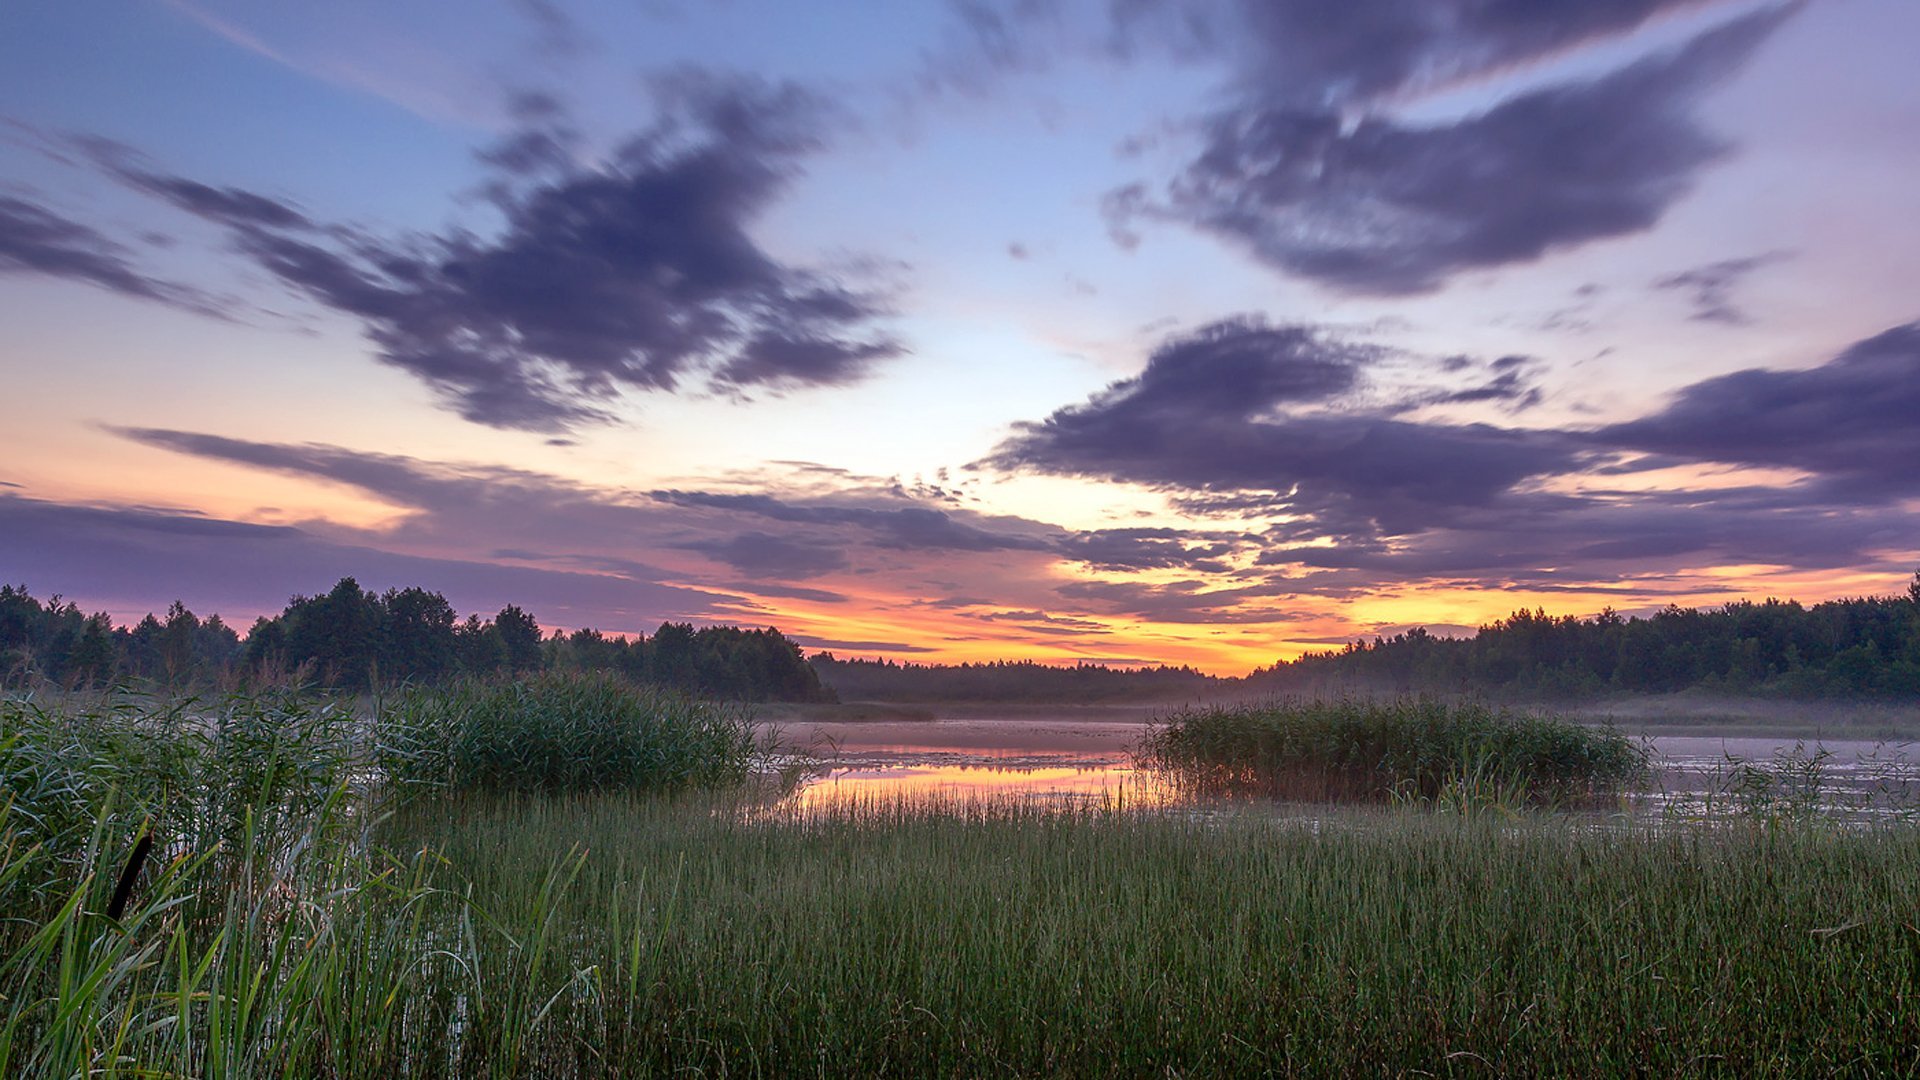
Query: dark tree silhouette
point(520, 637)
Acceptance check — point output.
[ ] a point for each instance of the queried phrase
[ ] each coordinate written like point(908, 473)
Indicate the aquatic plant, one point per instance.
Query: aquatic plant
point(562, 732)
point(1382, 750)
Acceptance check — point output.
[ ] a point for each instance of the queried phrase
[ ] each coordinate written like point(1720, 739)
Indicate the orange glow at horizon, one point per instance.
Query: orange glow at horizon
point(940, 637)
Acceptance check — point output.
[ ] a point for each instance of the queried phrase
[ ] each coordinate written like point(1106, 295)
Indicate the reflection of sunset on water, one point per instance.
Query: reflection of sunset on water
point(1116, 784)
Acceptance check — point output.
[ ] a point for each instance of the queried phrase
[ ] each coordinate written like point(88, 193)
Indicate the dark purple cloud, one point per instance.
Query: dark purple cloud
point(1207, 416)
point(36, 240)
point(1150, 549)
point(1383, 207)
point(230, 206)
point(899, 527)
point(1619, 536)
point(1041, 622)
point(637, 274)
point(1854, 422)
point(1320, 53)
point(1312, 53)
point(1188, 601)
point(776, 557)
point(1364, 496)
point(1509, 382)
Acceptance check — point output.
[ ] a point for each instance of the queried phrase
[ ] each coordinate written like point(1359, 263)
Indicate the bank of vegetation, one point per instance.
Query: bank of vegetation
point(562, 876)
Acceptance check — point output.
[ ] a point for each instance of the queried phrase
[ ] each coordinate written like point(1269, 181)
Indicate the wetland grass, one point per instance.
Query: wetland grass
point(586, 930)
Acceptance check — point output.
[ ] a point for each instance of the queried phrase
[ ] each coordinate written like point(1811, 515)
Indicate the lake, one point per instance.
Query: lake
point(1080, 754)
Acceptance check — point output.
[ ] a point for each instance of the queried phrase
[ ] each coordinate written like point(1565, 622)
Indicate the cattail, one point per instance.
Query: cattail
point(124, 889)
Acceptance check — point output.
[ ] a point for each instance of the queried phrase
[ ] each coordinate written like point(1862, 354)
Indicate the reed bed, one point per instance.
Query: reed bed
point(1406, 750)
point(562, 732)
point(626, 932)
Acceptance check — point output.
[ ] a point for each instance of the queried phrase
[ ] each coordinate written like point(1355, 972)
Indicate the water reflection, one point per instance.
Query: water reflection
point(1069, 764)
point(1100, 783)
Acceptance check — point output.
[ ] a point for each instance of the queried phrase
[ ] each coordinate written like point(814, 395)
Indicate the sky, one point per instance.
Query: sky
point(1199, 332)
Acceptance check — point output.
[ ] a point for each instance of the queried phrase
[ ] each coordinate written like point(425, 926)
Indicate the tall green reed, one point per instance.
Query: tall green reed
point(1386, 750)
point(562, 732)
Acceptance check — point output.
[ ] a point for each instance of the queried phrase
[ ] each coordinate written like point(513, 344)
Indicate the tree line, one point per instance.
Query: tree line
point(1007, 680)
point(350, 637)
point(1857, 647)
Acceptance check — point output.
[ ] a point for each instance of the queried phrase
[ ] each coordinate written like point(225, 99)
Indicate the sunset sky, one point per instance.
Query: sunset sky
point(1134, 331)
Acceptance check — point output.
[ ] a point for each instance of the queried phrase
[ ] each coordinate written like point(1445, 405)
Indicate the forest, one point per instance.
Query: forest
point(1008, 681)
point(1861, 647)
point(353, 638)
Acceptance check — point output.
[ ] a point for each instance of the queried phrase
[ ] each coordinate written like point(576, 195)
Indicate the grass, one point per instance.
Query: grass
point(578, 930)
point(1408, 749)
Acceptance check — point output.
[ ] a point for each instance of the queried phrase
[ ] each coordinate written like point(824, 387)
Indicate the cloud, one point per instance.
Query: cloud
point(1570, 544)
point(858, 646)
point(1310, 53)
point(1314, 492)
point(1850, 421)
point(774, 556)
point(910, 527)
point(1187, 601)
point(528, 515)
point(1383, 207)
point(1710, 287)
point(1149, 549)
point(1354, 495)
point(147, 559)
point(1043, 623)
point(790, 592)
point(1219, 412)
point(1509, 382)
point(35, 240)
point(635, 275)
point(1318, 54)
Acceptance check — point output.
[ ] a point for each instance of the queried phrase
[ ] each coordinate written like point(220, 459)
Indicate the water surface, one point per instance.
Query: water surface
point(1086, 755)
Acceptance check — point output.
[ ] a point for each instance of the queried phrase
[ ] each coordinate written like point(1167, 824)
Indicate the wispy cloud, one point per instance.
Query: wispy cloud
point(639, 275)
point(37, 240)
point(1384, 207)
point(1710, 287)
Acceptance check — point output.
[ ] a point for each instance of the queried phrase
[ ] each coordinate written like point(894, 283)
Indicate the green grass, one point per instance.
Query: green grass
point(494, 933)
point(1007, 941)
point(1407, 749)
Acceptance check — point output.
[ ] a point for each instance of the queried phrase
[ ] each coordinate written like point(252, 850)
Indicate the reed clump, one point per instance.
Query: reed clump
point(1410, 749)
point(562, 732)
point(193, 773)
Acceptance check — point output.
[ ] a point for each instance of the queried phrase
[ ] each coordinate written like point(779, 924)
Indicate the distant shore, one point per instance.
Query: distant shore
point(1686, 713)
